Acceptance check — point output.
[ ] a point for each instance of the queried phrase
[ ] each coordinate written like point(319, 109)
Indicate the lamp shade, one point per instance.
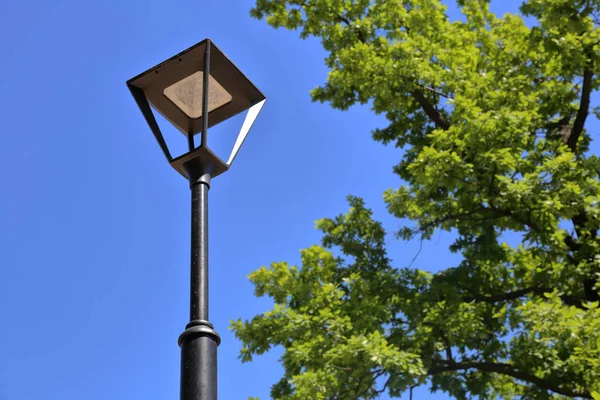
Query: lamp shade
point(182, 91)
point(174, 88)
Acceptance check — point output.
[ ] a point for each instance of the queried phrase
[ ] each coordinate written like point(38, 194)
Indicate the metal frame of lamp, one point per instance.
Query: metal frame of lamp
point(173, 88)
point(195, 90)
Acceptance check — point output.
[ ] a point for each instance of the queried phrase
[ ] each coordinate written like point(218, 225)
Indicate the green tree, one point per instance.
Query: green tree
point(491, 116)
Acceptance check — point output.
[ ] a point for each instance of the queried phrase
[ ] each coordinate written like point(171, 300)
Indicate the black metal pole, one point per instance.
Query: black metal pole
point(199, 255)
point(199, 341)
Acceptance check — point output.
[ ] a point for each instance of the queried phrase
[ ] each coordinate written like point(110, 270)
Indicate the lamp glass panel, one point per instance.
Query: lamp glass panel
point(187, 94)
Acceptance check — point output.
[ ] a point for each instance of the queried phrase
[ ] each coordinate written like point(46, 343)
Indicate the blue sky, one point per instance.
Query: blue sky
point(94, 237)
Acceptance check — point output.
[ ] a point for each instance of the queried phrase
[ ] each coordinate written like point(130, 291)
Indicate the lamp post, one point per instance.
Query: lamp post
point(196, 90)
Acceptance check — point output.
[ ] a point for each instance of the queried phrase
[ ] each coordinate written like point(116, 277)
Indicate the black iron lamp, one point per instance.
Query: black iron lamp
point(196, 90)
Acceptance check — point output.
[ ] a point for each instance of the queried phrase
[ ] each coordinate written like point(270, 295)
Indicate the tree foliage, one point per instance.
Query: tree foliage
point(491, 116)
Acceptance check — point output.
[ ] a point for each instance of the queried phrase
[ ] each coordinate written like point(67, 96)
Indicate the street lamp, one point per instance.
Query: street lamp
point(196, 90)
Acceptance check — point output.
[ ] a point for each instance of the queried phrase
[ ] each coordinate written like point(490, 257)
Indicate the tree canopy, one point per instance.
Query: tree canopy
point(491, 116)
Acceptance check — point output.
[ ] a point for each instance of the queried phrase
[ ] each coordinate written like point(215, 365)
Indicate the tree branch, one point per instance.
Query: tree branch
point(433, 90)
point(509, 370)
point(467, 216)
point(588, 287)
point(509, 296)
point(495, 298)
point(579, 221)
point(430, 110)
point(510, 214)
point(376, 375)
point(347, 22)
point(385, 385)
point(584, 106)
point(495, 213)
point(572, 244)
point(448, 347)
point(417, 94)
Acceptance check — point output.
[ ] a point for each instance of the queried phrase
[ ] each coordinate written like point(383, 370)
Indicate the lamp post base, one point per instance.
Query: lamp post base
point(198, 345)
